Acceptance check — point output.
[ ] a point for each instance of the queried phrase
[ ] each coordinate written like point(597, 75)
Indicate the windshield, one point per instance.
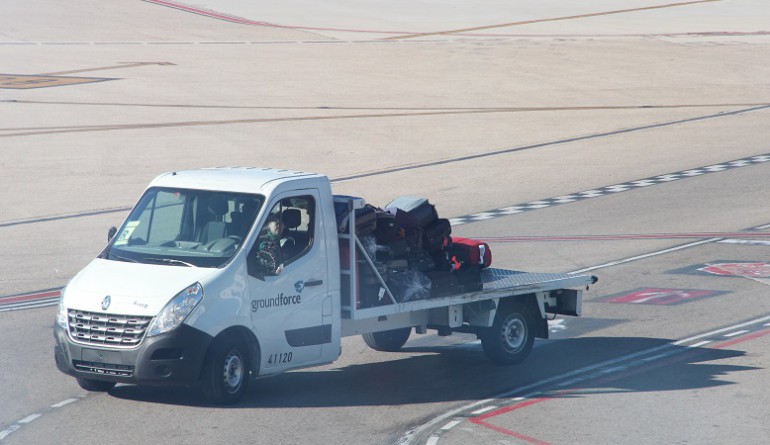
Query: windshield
point(182, 227)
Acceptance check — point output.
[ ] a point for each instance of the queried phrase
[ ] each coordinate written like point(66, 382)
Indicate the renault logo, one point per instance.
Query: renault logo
point(106, 302)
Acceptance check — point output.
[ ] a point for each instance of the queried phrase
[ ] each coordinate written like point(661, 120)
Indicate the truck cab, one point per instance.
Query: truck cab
point(216, 275)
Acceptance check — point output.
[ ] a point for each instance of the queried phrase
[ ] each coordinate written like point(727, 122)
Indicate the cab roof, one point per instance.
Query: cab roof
point(233, 179)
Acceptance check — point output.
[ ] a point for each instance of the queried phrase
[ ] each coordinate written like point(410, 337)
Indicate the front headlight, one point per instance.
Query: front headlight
point(175, 312)
point(61, 313)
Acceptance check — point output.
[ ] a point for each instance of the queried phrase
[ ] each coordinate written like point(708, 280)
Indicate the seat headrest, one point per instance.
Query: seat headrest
point(218, 205)
point(291, 218)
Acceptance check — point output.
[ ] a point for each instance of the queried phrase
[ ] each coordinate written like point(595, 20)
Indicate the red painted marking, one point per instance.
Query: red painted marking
point(507, 409)
point(480, 420)
point(509, 432)
point(208, 13)
point(242, 21)
point(742, 339)
point(659, 296)
point(639, 236)
point(750, 270)
point(29, 297)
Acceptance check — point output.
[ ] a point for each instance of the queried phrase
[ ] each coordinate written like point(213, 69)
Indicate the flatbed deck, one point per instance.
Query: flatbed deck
point(497, 283)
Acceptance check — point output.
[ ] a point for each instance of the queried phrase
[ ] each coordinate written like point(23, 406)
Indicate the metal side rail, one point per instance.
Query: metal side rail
point(498, 283)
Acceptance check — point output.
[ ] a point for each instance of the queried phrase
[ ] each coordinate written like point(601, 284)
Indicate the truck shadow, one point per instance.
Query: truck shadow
point(429, 374)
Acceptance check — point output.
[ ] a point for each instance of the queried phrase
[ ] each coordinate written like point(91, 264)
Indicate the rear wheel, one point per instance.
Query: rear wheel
point(387, 341)
point(95, 385)
point(225, 375)
point(510, 339)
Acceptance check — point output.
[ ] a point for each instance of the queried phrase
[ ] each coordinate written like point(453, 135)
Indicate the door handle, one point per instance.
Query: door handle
point(313, 283)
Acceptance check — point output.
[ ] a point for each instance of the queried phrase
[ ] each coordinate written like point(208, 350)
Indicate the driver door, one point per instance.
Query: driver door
point(287, 302)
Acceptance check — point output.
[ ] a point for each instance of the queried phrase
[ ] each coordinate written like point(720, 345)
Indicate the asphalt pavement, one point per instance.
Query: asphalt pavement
point(626, 141)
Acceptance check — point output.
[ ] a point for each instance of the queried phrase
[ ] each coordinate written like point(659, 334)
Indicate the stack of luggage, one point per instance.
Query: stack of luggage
point(413, 251)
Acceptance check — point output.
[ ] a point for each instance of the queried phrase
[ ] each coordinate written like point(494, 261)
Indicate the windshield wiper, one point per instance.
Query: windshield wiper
point(170, 261)
point(121, 258)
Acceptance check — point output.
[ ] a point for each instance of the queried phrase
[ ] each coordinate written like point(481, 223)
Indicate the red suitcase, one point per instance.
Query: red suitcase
point(470, 252)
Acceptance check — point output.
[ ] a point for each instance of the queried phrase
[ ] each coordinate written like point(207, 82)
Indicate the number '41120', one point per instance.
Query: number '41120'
point(281, 357)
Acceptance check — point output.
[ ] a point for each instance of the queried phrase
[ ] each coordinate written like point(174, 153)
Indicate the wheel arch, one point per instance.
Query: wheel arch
point(248, 338)
point(529, 305)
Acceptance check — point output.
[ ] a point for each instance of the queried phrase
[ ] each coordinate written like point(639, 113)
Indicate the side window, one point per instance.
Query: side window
point(287, 233)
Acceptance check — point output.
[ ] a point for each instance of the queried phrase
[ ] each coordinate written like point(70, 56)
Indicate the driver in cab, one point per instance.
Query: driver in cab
point(270, 254)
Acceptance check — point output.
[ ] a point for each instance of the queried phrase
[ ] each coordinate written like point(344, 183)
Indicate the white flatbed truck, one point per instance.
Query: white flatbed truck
point(182, 293)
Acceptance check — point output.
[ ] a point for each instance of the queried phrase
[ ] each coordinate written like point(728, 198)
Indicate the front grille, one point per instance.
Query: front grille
point(92, 328)
point(104, 368)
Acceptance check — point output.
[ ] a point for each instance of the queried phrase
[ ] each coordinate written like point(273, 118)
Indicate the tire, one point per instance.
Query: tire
point(226, 371)
point(387, 341)
point(95, 385)
point(509, 341)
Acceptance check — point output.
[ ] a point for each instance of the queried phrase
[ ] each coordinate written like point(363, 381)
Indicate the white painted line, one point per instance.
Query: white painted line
point(571, 382)
point(736, 333)
point(407, 438)
point(63, 403)
point(433, 440)
point(719, 331)
point(29, 418)
point(483, 410)
point(749, 242)
point(613, 369)
point(6, 432)
point(766, 325)
point(657, 357)
point(647, 255)
point(28, 305)
point(450, 425)
point(699, 344)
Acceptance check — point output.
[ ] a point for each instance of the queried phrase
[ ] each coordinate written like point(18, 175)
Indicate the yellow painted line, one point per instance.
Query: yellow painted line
point(552, 19)
point(26, 82)
point(102, 68)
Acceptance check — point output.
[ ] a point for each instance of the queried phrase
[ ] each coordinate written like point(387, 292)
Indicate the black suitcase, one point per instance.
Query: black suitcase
point(412, 211)
point(366, 221)
point(373, 295)
point(443, 284)
point(413, 237)
point(398, 248)
point(397, 264)
point(387, 229)
point(469, 278)
point(408, 285)
point(421, 260)
point(368, 276)
point(442, 261)
point(436, 236)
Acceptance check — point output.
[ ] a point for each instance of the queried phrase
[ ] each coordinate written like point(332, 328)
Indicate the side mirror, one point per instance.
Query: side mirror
point(111, 233)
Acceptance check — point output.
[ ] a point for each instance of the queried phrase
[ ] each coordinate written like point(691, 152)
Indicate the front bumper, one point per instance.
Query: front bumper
point(174, 358)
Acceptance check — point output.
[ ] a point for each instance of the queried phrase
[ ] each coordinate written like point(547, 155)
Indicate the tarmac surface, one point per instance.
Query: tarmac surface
point(626, 141)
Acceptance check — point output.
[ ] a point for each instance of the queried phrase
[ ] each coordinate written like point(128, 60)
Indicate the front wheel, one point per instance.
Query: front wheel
point(95, 385)
point(510, 339)
point(387, 341)
point(225, 375)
